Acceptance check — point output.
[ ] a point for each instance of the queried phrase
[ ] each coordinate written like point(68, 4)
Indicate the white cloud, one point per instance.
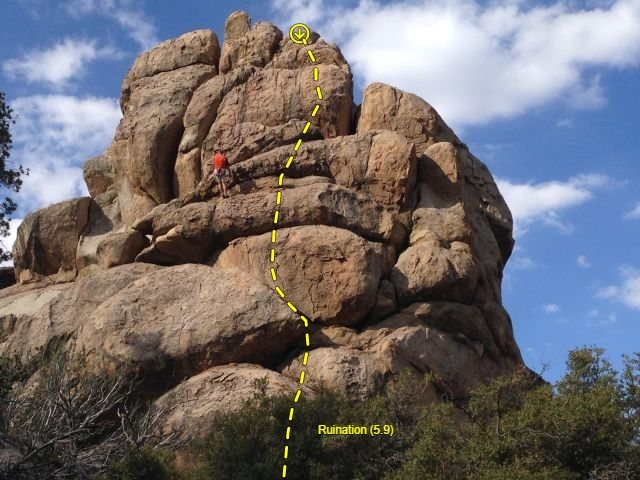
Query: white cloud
point(477, 61)
point(633, 214)
point(551, 308)
point(589, 97)
point(53, 136)
point(627, 293)
point(583, 262)
point(58, 65)
point(530, 202)
point(125, 12)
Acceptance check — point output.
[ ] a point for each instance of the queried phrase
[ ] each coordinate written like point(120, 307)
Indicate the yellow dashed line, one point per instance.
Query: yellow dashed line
point(276, 218)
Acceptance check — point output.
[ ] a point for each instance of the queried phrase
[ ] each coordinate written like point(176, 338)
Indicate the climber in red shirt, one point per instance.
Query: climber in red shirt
point(221, 172)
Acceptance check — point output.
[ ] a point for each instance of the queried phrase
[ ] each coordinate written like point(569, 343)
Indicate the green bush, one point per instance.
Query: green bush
point(586, 427)
point(140, 464)
point(249, 444)
point(514, 428)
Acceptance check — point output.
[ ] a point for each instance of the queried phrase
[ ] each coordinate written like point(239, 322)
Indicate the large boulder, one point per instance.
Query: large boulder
point(388, 108)
point(98, 174)
point(348, 370)
point(185, 235)
point(450, 340)
point(432, 271)
point(438, 219)
point(244, 45)
point(380, 163)
point(155, 94)
point(314, 263)
point(120, 248)
point(459, 363)
point(185, 319)
point(47, 240)
point(221, 389)
point(291, 56)
point(391, 169)
point(25, 320)
point(244, 140)
point(203, 107)
point(318, 203)
point(198, 47)
point(187, 173)
point(148, 137)
point(291, 96)
point(47, 315)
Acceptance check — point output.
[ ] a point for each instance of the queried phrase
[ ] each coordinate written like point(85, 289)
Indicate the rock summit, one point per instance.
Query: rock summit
point(392, 238)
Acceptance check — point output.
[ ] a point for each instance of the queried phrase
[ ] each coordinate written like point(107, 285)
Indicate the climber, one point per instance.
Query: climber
point(221, 172)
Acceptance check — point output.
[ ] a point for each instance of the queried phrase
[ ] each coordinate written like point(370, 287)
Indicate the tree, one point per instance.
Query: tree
point(586, 427)
point(10, 178)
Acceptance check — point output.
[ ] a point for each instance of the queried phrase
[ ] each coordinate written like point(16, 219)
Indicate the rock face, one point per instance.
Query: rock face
point(120, 248)
point(47, 240)
point(391, 236)
point(189, 323)
point(218, 389)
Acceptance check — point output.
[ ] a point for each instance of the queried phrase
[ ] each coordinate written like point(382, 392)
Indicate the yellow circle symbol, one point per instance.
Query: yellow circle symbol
point(299, 33)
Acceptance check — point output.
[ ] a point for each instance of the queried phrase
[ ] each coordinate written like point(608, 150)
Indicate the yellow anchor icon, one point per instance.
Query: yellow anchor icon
point(299, 33)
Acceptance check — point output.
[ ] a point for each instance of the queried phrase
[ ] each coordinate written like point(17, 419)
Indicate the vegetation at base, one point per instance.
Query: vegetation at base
point(56, 423)
point(586, 426)
point(141, 464)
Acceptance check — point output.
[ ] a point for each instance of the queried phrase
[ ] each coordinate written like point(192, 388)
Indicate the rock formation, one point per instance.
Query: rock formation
point(392, 236)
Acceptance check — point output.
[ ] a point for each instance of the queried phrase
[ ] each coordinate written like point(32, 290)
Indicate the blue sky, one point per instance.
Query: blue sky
point(546, 93)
